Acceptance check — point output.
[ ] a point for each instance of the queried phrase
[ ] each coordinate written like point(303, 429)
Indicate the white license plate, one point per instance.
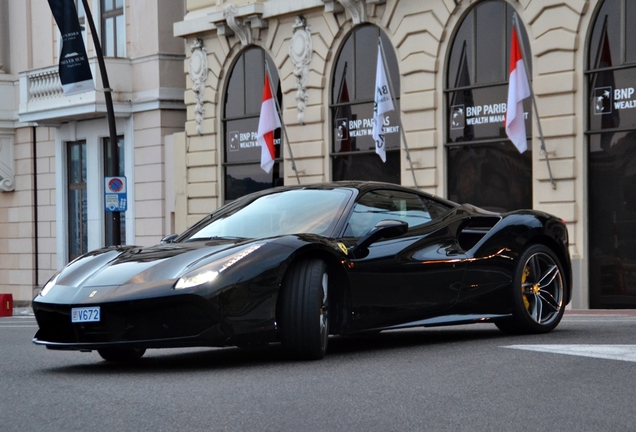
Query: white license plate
point(86, 314)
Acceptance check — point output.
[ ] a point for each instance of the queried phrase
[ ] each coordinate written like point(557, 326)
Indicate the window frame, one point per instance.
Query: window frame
point(340, 75)
point(519, 196)
point(106, 15)
point(82, 187)
point(277, 172)
point(609, 145)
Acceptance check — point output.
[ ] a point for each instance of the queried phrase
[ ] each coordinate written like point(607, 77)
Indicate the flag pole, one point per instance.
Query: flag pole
point(534, 100)
point(282, 122)
point(406, 147)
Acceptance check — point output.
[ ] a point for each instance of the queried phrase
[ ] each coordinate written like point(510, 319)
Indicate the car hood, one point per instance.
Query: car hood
point(135, 265)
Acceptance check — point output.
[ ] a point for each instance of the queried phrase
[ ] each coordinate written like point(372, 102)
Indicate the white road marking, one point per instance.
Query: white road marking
point(610, 352)
point(600, 321)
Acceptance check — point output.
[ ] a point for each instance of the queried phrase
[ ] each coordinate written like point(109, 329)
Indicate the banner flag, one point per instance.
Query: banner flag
point(267, 124)
point(383, 103)
point(75, 72)
point(518, 90)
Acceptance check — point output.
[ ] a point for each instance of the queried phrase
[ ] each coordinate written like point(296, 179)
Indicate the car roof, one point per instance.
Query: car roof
point(361, 186)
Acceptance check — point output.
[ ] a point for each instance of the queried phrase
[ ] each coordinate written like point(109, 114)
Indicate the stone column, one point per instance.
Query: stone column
point(4, 34)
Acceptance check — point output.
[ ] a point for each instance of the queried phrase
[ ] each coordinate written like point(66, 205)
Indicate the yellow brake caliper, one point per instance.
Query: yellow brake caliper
point(526, 273)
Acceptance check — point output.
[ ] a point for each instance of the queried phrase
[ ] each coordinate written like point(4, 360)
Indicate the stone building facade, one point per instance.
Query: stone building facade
point(53, 147)
point(186, 154)
point(448, 63)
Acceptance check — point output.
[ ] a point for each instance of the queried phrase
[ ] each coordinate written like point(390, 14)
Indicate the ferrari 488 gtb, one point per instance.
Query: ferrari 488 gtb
point(297, 264)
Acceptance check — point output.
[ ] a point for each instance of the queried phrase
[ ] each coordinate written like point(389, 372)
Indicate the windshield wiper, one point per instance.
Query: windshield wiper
point(215, 238)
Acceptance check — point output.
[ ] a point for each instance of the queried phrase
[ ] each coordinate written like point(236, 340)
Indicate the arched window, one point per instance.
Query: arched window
point(352, 98)
point(611, 77)
point(484, 167)
point(243, 99)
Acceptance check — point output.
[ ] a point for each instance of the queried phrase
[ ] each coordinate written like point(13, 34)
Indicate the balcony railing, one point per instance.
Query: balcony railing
point(44, 85)
point(42, 98)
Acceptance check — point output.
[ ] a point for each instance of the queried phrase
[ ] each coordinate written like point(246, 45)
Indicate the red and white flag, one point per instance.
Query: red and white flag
point(267, 124)
point(518, 90)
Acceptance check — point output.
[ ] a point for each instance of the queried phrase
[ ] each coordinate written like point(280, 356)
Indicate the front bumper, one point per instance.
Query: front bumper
point(175, 321)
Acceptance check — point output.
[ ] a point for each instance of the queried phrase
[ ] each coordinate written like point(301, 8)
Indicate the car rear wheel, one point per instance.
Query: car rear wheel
point(538, 293)
point(121, 355)
point(304, 310)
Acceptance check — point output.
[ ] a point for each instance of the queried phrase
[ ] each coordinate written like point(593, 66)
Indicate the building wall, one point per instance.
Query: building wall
point(421, 33)
point(148, 86)
point(16, 226)
point(46, 205)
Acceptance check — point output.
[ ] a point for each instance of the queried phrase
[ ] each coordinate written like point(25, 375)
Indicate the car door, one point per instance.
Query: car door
point(411, 277)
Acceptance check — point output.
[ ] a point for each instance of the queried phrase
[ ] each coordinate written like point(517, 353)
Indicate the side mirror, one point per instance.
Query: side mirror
point(387, 228)
point(169, 238)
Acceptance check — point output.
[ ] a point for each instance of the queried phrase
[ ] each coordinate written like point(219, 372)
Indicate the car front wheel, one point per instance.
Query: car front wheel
point(538, 293)
point(304, 310)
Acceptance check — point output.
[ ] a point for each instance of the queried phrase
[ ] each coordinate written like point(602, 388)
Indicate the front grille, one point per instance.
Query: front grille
point(163, 318)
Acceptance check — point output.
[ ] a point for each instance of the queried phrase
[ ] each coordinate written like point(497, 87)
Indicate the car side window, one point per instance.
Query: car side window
point(379, 205)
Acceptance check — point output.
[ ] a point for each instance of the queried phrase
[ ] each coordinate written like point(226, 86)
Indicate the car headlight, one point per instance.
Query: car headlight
point(50, 284)
point(209, 272)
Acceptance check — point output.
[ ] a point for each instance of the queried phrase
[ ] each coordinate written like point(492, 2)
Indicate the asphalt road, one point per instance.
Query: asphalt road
point(444, 379)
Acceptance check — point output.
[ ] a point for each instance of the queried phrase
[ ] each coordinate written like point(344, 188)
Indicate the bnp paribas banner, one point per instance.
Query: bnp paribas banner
point(75, 73)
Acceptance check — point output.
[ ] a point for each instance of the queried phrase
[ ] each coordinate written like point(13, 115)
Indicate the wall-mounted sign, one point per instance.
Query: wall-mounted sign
point(115, 196)
point(612, 100)
point(480, 113)
point(241, 141)
point(353, 128)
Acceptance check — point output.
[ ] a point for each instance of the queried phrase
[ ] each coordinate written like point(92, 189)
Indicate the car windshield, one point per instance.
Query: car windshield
point(298, 211)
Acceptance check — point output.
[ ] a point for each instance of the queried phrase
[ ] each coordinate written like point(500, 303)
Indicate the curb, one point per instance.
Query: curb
point(23, 311)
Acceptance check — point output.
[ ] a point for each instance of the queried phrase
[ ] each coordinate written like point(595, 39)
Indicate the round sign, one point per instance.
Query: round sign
point(115, 185)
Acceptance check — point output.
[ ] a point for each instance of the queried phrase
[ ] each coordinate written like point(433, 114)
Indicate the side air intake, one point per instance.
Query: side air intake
point(475, 229)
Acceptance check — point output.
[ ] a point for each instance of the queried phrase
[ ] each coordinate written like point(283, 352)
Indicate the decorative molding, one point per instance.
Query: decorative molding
point(357, 9)
point(301, 52)
point(198, 70)
point(237, 25)
point(332, 6)
point(7, 178)
point(243, 21)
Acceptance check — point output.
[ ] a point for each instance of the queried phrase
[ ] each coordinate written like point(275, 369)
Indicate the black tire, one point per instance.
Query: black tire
point(121, 355)
point(304, 310)
point(538, 293)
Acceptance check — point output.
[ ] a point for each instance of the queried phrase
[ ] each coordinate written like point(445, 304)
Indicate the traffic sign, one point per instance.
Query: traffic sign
point(115, 196)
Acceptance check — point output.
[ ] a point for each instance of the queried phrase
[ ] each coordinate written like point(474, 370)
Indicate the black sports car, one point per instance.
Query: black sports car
point(296, 264)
